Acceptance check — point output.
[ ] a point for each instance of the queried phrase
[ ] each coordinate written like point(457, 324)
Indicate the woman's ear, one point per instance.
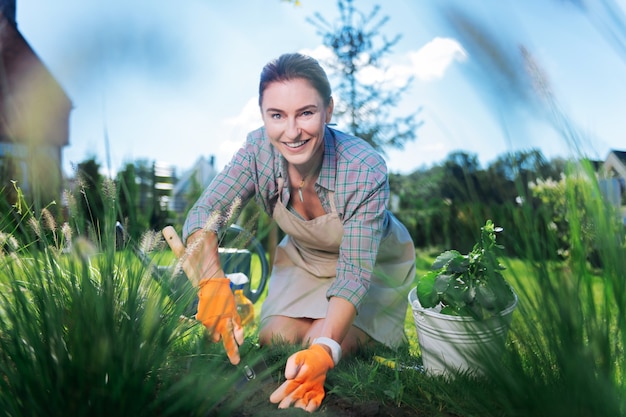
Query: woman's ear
point(329, 110)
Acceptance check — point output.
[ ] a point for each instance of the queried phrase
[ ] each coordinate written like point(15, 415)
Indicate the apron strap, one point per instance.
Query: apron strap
point(280, 182)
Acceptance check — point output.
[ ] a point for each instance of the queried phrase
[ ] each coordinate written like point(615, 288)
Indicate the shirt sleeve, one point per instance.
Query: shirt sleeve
point(221, 200)
point(366, 192)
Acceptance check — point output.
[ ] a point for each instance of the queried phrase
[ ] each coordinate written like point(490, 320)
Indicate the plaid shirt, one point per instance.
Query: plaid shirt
point(351, 168)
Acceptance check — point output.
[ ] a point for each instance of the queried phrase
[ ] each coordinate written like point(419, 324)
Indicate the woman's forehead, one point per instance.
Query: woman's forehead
point(297, 92)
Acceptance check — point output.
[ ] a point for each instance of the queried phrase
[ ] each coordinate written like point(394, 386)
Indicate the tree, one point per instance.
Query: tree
point(134, 218)
point(364, 106)
point(509, 175)
point(421, 207)
point(460, 176)
point(9, 171)
point(91, 204)
point(144, 189)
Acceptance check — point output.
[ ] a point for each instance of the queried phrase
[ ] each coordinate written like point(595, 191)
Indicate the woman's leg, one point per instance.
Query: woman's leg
point(283, 328)
point(303, 331)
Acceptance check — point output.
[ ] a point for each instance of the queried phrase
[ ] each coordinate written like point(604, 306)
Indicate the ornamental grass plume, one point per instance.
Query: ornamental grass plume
point(98, 335)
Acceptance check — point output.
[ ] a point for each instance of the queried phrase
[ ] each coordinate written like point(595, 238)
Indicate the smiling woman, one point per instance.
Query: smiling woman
point(342, 273)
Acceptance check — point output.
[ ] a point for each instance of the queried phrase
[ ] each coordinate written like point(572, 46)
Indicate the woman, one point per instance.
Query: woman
point(343, 271)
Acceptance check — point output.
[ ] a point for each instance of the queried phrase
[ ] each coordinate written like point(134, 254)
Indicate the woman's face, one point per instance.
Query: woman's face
point(294, 116)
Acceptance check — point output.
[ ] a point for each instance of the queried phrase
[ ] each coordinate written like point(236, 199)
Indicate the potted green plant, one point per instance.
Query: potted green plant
point(463, 306)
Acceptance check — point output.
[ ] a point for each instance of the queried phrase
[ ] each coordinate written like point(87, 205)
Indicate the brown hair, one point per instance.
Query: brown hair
point(292, 66)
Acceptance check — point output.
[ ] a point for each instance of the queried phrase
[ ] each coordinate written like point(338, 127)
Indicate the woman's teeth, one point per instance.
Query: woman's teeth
point(294, 145)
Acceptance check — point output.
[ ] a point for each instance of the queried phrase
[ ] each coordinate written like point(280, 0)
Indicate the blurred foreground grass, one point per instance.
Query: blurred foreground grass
point(98, 335)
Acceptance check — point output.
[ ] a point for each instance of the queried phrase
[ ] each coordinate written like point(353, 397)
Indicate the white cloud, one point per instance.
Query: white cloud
point(237, 127)
point(433, 59)
point(249, 116)
point(321, 53)
point(428, 63)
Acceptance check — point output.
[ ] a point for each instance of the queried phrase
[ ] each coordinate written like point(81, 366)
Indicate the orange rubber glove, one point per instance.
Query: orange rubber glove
point(218, 312)
point(305, 372)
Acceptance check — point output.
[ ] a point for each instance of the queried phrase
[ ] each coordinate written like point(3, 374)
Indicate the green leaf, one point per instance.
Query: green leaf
point(458, 264)
point(445, 257)
point(443, 282)
point(503, 292)
point(486, 297)
point(426, 294)
point(456, 294)
point(475, 310)
point(470, 294)
point(449, 311)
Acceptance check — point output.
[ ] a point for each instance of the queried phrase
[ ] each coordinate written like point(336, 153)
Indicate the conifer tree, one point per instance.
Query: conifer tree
point(364, 108)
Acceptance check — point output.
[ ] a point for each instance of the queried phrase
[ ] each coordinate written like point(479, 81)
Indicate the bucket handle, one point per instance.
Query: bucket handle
point(418, 315)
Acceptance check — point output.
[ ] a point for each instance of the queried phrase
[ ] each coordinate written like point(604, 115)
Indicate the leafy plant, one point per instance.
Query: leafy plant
point(468, 285)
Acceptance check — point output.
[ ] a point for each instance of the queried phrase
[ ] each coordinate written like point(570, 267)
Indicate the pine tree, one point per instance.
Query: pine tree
point(363, 107)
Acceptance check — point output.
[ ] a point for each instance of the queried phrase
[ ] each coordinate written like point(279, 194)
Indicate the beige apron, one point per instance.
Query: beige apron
point(305, 267)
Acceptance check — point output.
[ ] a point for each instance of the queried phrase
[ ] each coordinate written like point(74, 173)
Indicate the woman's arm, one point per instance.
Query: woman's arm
point(201, 258)
point(339, 318)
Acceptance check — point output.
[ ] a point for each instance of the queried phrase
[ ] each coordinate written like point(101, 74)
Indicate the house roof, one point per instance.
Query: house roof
point(34, 106)
point(615, 163)
point(596, 164)
point(203, 172)
point(200, 175)
point(621, 155)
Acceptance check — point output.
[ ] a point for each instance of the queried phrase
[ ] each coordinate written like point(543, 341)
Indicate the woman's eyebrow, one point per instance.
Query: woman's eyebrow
point(301, 109)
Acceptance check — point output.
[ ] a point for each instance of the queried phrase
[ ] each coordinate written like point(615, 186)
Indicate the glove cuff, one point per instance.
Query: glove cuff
point(335, 348)
point(215, 281)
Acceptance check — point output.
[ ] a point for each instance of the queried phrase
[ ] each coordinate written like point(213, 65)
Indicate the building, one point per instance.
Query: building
point(613, 181)
point(34, 115)
point(191, 184)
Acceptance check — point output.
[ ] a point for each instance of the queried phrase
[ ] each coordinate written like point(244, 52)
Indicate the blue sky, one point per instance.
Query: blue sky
point(171, 81)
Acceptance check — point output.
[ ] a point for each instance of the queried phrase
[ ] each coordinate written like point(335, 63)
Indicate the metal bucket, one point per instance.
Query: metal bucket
point(458, 344)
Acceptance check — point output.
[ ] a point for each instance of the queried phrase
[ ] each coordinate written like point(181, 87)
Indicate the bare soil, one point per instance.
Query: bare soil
point(258, 405)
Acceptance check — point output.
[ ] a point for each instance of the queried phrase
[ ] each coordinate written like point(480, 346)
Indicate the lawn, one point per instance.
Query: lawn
point(89, 331)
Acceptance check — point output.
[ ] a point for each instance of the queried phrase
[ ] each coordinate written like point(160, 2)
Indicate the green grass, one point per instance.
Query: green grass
point(89, 331)
point(99, 336)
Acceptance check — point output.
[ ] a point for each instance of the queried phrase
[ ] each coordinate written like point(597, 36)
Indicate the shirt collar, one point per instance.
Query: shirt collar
point(328, 172)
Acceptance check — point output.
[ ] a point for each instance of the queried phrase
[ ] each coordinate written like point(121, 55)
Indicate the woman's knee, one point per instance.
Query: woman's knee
point(355, 340)
point(282, 329)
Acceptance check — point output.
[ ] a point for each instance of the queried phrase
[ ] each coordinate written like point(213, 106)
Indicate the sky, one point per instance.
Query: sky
point(173, 81)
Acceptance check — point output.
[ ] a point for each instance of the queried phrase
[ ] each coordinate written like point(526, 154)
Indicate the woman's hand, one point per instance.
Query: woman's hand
point(218, 312)
point(216, 302)
point(305, 373)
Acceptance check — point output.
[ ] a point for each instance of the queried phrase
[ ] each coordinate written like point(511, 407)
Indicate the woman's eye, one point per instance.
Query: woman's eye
point(307, 113)
point(276, 116)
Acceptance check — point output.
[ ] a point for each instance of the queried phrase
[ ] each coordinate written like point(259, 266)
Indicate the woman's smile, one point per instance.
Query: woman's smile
point(296, 145)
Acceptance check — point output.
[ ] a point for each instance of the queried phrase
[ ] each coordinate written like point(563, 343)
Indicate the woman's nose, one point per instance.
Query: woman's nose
point(293, 131)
